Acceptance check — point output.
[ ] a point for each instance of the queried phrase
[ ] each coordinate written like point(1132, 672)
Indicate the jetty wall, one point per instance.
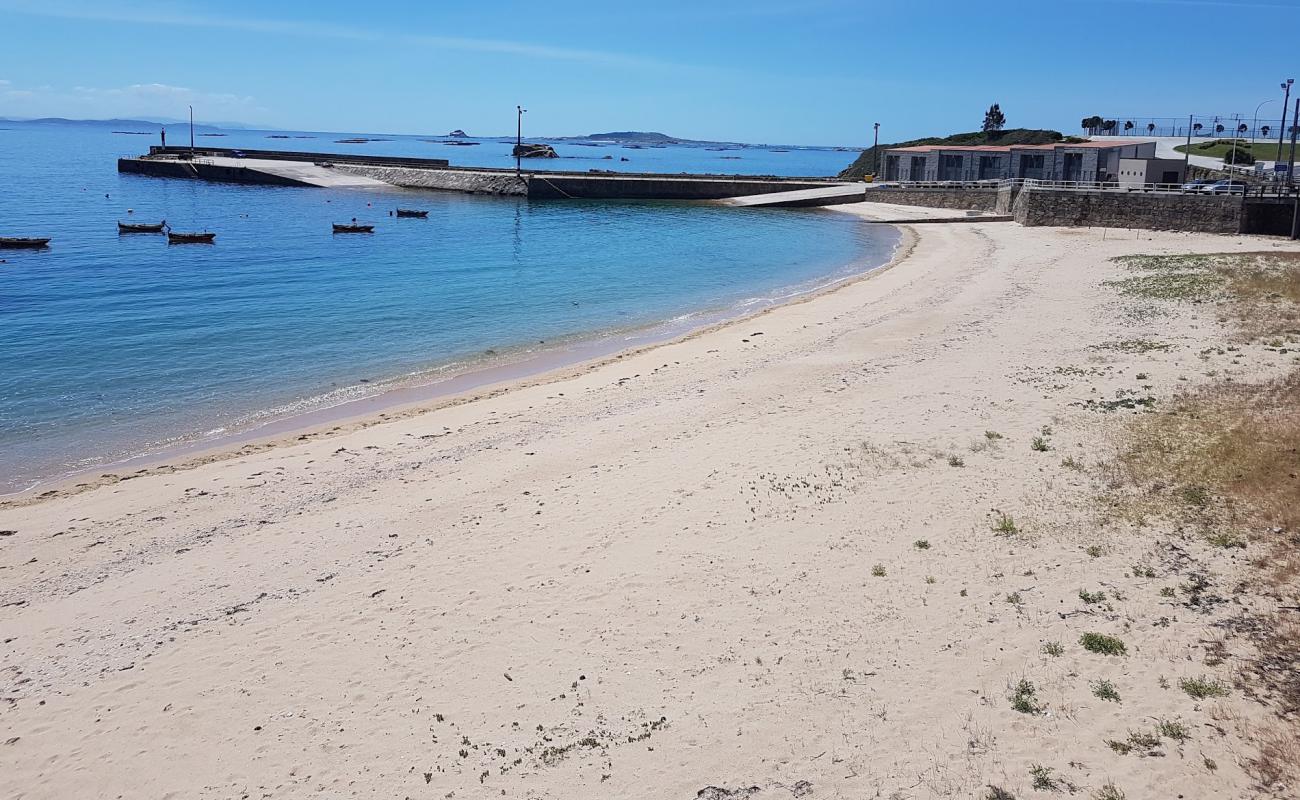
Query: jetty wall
point(193, 170)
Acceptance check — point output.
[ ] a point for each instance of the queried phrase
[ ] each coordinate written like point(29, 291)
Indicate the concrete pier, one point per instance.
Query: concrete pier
point(334, 170)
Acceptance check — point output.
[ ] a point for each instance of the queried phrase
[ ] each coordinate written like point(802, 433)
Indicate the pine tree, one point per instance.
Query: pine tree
point(994, 119)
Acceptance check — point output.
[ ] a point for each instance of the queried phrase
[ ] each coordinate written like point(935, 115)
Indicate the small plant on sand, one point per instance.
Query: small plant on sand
point(1103, 644)
point(1024, 698)
point(1173, 729)
point(1043, 780)
point(1210, 763)
point(1053, 649)
point(878, 570)
point(921, 544)
point(1203, 687)
point(1004, 525)
point(1108, 792)
point(1069, 462)
point(1141, 740)
point(1105, 690)
point(1094, 551)
point(1167, 591)
point(992, 436)
point(929, 579)
point(998, 793)
point(1226, 540)
point(1092, 598)
point(1123, 748)
point(956, 461)
point(963, 593)
point(1040, 444)
point(1015, 599)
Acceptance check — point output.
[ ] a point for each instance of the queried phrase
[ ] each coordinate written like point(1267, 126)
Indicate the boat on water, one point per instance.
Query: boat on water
point(22, 242)
point(411, 212)
point(190, 238)
point(141, 227)
point(353, 228)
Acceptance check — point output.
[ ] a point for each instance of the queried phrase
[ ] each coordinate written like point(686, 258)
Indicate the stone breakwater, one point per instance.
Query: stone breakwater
point(495, 183)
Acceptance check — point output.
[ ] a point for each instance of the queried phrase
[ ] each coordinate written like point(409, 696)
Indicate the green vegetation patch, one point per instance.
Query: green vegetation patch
point(1103, 644)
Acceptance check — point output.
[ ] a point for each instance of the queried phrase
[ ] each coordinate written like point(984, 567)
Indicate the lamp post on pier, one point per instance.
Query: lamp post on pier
point(191, 133)
point(519, 137)
point(875, 148)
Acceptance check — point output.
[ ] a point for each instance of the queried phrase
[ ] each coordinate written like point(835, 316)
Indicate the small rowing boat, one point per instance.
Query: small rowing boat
point(21, 242)
point(190, 238)
point(141, 227)
point(353, 228)
point(411, 212)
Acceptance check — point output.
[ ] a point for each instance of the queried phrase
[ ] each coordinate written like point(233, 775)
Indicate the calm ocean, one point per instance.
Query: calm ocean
point(116, 346)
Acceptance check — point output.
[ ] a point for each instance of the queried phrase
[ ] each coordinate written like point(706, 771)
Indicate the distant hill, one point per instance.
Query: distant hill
point(152, 124)
point(866, 163)
point(635, 136)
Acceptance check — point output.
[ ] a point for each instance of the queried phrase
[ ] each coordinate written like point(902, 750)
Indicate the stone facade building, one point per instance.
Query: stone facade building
point(1081, 161)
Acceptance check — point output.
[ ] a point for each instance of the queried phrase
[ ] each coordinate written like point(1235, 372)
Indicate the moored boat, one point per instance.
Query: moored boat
point(22, 242)
point(353, 228)
point(411, 212)
point(141, 227)
point(190, 238)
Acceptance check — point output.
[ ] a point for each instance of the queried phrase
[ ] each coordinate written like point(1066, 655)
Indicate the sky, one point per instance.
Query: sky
point(814, 72)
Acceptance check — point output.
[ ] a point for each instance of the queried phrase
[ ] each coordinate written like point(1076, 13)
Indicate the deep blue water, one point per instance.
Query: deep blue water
point(113, 346)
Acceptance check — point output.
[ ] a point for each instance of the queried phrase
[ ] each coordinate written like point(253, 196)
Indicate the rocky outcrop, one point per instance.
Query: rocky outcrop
point(459, 134)
point(534, 151)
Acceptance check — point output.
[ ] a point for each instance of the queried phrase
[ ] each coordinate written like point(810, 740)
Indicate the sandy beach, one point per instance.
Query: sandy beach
point(762, 557)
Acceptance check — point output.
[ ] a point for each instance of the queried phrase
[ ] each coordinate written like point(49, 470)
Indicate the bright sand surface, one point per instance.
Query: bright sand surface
point(648, 576)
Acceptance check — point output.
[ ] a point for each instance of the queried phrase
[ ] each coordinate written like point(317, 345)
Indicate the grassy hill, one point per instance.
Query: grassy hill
point(866, 162)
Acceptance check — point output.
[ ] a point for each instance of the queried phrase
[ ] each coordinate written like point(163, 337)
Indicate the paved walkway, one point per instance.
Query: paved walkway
point(301, 171)
point(823, 196)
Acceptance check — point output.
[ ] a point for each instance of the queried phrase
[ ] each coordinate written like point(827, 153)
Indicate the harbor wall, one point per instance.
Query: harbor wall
point(205, 172)
point(960, 199)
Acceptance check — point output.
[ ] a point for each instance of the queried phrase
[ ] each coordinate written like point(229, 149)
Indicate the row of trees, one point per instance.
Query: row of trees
point(1095, 126)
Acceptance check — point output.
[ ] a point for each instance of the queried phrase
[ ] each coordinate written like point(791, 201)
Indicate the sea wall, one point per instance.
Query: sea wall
point(961, 199)
point(658, 187)
point(1153, 211)
point(496, 183)
point(203, 171)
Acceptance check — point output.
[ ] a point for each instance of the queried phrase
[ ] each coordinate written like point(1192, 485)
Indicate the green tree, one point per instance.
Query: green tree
point(994, 119)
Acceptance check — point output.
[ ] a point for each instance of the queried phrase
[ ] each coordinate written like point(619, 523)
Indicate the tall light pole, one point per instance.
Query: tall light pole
point(519, 137)
point(1254, 126)
point(1281, 135)
point(875, 148)
point(1295, 130)
point(191, 133)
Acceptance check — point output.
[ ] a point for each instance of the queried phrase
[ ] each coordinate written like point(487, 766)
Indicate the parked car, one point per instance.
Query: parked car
point(1226, 187)
point(1197, 185)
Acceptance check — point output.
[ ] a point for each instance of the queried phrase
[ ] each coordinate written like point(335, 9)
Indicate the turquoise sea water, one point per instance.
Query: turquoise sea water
point(115, 346)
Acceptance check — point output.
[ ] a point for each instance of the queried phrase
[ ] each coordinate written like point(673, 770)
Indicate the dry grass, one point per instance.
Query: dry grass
point(1260, 290)
point(1223, 462)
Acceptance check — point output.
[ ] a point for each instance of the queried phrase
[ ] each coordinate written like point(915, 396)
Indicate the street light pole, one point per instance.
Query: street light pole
point(875, 148)
point(1254, 126)
point(1281, 135)
point(519, 137)
point(1295, 129)
point(191, 133)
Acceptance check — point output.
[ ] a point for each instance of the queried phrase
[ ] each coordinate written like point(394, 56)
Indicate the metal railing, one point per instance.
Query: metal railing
point(1256, 190)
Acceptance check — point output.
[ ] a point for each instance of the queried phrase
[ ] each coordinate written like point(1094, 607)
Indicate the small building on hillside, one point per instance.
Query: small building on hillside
point(1138, 171)
point(1079, 161)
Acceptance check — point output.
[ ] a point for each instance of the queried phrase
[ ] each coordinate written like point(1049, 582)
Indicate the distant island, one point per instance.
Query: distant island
point(124, 125)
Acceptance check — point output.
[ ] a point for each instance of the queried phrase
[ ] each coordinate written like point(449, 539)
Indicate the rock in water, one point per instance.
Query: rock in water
point(459, 134)
point(534, 151)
